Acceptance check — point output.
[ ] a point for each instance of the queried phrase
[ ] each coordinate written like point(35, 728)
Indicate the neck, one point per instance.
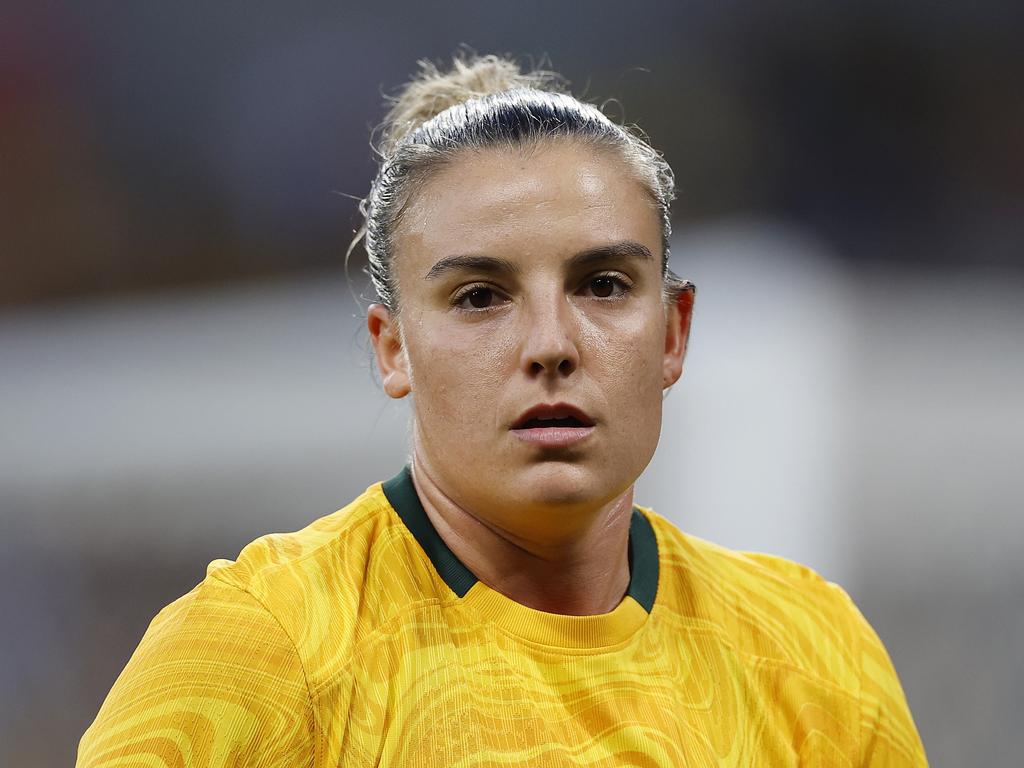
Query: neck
point(586, 573)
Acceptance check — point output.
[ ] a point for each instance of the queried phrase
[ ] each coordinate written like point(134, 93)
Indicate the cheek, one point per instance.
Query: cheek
point(630, 350)
point(629, 357)
point(455, 366)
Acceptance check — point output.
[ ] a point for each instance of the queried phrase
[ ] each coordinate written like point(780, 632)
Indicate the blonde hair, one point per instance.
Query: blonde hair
point(432, 91)
point(487, 101)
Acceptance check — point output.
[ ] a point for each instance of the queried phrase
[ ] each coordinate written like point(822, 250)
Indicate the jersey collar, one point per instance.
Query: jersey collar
point(401, 494)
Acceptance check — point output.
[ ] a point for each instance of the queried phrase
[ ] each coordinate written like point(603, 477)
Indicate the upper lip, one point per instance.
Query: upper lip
point(553, 411)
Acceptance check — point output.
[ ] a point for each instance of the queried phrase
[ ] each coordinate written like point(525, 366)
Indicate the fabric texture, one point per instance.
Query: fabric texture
point(343, 645)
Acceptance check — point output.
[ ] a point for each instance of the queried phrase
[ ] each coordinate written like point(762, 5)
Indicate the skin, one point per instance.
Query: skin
point(547, 527)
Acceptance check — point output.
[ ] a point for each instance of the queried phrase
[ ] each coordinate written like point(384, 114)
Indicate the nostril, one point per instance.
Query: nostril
point(564, 367)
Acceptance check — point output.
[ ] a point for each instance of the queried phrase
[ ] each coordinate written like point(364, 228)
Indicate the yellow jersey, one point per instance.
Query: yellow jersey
point(362, 640)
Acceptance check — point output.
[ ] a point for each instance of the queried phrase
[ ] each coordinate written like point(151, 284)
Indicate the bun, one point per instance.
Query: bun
point(432, 91)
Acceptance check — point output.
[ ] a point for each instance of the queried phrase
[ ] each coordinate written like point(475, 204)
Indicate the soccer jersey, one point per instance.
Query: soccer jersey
point(363, 641)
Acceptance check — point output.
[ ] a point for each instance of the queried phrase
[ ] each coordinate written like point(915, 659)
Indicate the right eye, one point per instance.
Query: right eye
point(477, 297)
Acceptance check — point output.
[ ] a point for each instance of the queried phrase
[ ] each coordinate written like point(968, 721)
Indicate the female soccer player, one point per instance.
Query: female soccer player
point(502, 600)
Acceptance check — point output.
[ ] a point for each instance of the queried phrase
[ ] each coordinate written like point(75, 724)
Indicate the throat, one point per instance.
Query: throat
point(586, 574)
point(568, 593)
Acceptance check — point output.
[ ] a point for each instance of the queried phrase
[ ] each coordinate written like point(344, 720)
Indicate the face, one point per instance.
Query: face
point(533, 334)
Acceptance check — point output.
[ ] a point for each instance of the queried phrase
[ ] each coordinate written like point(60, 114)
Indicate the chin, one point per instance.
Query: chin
point(565, 484)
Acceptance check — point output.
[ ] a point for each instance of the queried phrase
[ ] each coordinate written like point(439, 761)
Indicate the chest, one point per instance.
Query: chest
point(668, 699)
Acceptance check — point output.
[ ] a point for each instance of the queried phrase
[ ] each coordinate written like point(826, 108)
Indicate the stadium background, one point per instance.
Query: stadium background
point(183, 367)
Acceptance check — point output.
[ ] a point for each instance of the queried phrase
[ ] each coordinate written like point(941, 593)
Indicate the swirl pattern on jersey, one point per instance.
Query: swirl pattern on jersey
point(344, 644)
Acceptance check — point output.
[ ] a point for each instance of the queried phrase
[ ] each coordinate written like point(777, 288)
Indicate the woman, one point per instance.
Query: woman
point(501, 600)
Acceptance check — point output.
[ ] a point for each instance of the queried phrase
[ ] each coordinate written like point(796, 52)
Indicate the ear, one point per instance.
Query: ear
point(387, 346)
point(677, 333)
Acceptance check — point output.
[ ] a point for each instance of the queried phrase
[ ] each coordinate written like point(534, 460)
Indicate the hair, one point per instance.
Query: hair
point(483, 102)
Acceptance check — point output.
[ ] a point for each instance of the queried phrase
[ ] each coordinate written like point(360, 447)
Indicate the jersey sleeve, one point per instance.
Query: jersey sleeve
point(888, 736)
point(216, 681)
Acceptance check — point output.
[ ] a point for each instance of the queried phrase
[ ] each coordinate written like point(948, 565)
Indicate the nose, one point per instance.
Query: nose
point(550, 338)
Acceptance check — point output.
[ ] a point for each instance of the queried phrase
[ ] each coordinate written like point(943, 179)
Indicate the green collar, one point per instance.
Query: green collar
point(401, 494)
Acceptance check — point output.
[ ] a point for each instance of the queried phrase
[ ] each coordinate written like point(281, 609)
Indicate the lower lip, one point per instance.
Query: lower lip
point(553, 437)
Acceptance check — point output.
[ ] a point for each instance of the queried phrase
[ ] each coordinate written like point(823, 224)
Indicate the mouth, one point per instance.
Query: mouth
point(553, 426)
point(553, 416)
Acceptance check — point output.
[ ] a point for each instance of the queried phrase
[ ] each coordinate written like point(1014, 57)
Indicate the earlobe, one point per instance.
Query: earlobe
point(389, 351)
point(396, 385)
point(677, 334)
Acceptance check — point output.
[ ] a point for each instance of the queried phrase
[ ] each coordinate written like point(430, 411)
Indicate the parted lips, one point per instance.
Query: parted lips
point(554, 415)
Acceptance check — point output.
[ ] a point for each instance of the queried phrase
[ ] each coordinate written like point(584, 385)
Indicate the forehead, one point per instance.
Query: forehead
point(553, 199)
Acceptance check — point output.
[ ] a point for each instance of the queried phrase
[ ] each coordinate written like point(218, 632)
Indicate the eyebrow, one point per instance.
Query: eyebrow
point(490, 264)
point(626, 249)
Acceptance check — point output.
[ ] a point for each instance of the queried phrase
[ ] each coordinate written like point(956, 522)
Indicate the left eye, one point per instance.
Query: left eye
point(605, 286)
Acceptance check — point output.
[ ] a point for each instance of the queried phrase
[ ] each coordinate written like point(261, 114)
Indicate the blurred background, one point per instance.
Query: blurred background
point(183, 366)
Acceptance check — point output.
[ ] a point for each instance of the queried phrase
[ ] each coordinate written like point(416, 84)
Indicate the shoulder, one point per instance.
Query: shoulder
point(246, 657)
point(218, 669)
point(772, 610)
point(266, 565)
point(755, 571)
point(764, 606)
point(332, 583)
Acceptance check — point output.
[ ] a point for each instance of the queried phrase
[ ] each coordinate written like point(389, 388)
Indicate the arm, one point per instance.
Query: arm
point(215, 682)
point(888, 736)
